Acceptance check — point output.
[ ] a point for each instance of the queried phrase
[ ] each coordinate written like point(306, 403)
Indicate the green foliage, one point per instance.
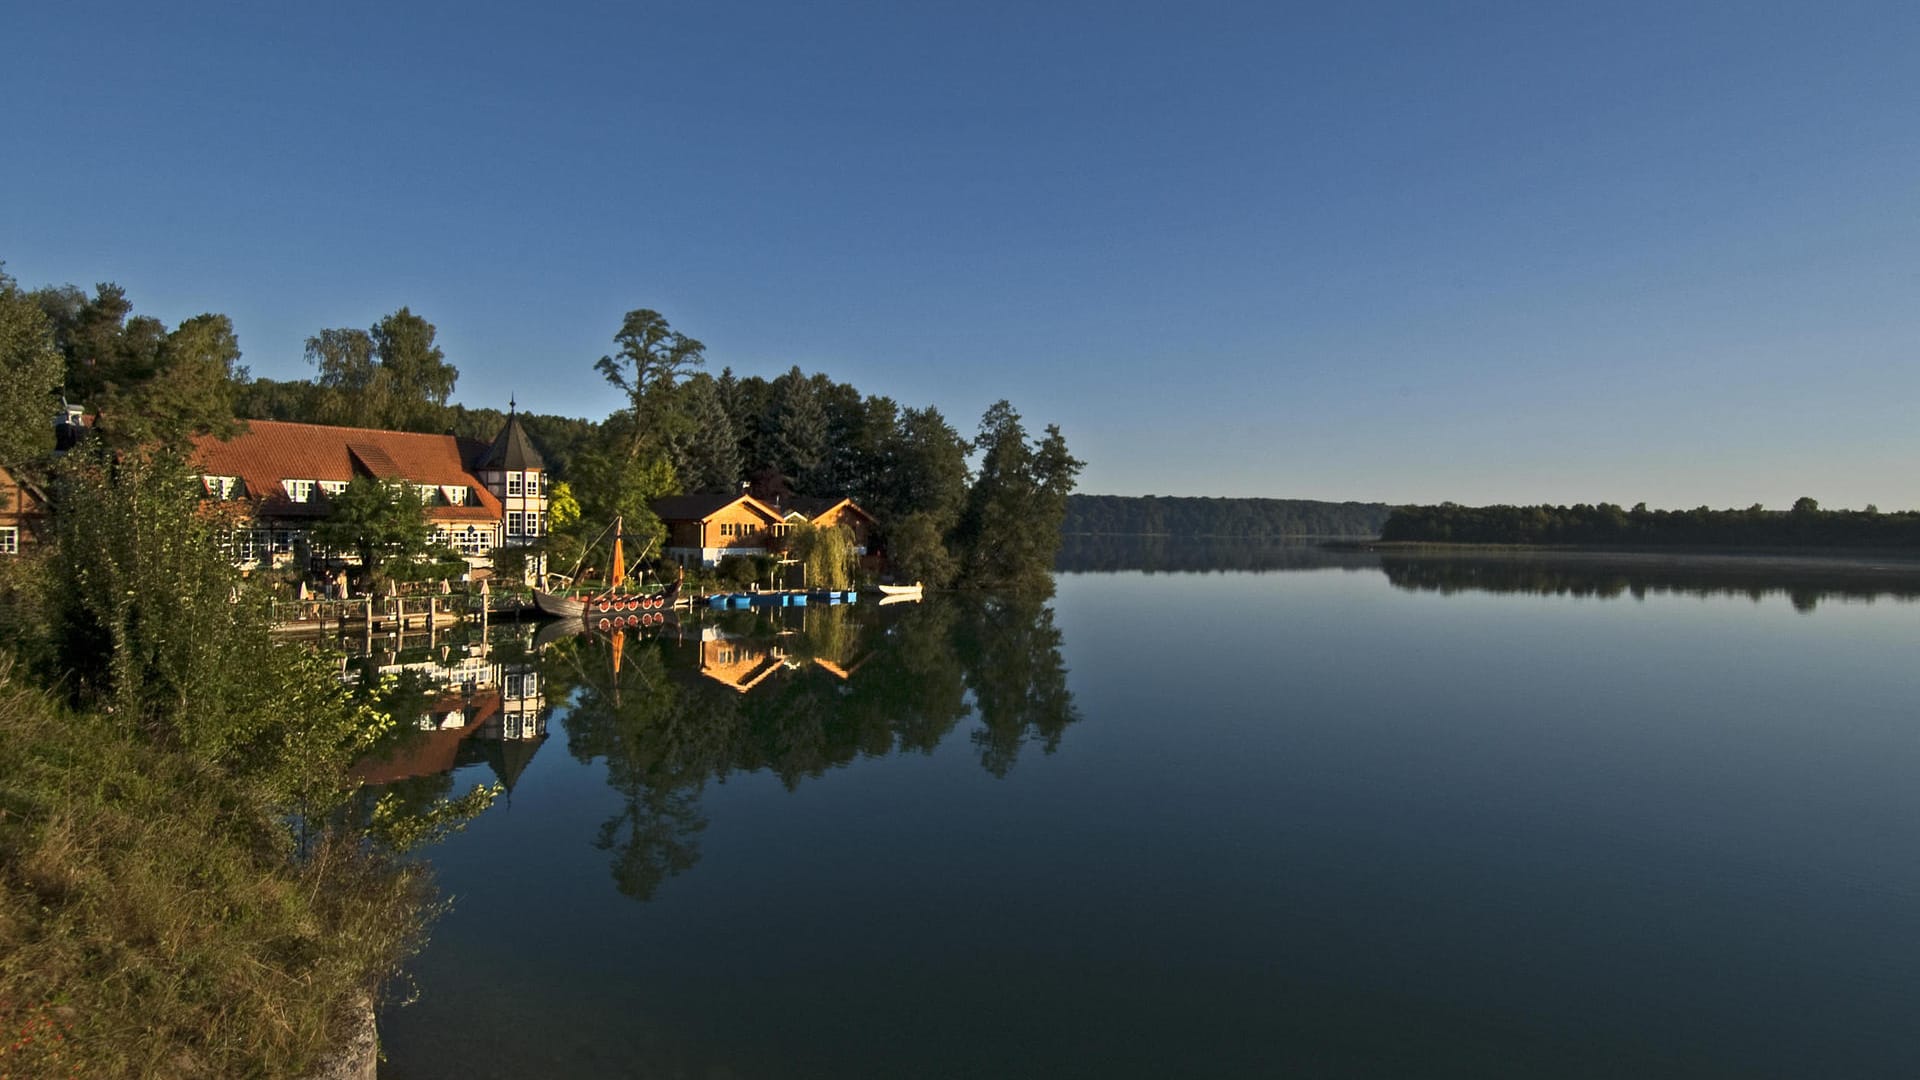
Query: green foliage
point(105, 345)
point(917, 550)
point(189, 391)
point(31, 370)
point(151, 625)
point(146, 384)
point(381, 523)
point(826, 553)
point(416, 373)
point(796, 431)
point(563, 510)
point(651, 359)
point(613, 485)
point(390, 376)
point(1011, 527)
point(155, 916)
point(404, 827)
point(706, 456)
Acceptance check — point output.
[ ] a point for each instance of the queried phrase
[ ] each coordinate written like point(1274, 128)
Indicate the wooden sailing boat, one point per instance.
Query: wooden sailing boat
point(614, 604)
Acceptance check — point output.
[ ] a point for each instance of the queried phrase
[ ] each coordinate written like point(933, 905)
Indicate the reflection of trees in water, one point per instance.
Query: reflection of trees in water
point(1011, 651)
point(1198, 555)
point(855, 682)
point(1803, 586)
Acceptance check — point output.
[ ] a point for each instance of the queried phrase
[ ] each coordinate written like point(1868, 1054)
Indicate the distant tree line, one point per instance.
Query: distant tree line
point(1605, 524)
point(1085, 553)
point(1147, 515)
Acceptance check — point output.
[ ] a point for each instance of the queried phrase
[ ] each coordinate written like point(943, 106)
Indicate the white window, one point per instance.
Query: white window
point(513, 483)
point(533, 523)
point(543, 483)
point(299, 490)
point(456, 495)
point(513, 523)
point(10, 541)
point(333, 487)
point(220, 487)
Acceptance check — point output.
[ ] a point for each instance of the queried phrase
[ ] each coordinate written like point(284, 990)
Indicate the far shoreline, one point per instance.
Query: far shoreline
point(1857, 562)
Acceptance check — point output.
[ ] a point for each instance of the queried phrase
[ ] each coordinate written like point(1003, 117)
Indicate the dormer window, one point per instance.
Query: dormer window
point(219, 487)
point(333, 487)
point(456, 495)
point(299, 490)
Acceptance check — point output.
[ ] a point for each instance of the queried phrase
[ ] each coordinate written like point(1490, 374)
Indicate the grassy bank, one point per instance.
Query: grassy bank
point(154, 919)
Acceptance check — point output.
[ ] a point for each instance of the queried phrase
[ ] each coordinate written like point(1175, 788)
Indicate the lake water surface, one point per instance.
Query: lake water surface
point(1347, 817)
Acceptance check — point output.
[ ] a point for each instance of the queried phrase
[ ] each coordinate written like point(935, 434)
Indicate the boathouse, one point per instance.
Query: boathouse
point(703, 529)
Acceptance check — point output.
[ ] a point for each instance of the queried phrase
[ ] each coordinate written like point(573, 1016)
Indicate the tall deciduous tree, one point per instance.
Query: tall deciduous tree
point(31, 370)
point(354, 395)
point(391, 376)
point(148, 385)
point(189, 391)
point(416, 372)
point(651, 359)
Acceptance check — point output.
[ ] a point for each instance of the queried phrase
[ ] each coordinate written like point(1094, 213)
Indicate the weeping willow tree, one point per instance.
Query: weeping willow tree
point(826, 553)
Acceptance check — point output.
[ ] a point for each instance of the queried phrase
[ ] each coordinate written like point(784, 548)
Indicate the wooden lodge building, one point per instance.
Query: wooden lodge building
point(703, 529)
point(279, 475)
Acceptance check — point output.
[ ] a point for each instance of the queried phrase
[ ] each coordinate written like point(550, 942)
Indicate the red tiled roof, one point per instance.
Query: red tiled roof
point(271, 451)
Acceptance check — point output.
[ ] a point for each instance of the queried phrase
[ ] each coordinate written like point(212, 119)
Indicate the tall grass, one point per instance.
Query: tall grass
point(154, 919)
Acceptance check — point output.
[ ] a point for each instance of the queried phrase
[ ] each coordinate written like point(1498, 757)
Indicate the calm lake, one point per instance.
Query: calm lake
point(1320, 815)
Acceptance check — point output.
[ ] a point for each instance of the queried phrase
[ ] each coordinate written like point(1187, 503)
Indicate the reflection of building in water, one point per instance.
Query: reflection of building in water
point(522, 706)
point(738, 662)
point(499, 706)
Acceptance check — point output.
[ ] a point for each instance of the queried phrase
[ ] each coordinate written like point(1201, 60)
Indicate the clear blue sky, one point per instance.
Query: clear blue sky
point(1502, 252)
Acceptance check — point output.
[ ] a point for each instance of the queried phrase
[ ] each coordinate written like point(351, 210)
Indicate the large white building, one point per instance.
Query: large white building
point(280, 475)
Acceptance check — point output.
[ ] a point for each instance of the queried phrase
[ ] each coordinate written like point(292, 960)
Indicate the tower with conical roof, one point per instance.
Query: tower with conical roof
point(514, 471)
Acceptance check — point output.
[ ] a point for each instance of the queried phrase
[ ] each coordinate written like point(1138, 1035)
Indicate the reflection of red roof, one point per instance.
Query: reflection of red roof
point(431, 751)
point(272, 451)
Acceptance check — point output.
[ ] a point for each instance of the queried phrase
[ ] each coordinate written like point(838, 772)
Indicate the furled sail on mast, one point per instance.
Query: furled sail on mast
point(619, 575)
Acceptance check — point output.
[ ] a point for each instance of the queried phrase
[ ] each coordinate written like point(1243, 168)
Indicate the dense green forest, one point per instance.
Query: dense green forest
point(1192, 516)
point(1806, 525)
point(983, 511)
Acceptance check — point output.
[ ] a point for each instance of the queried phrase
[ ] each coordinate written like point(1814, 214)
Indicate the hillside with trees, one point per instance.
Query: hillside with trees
point(1159, 515)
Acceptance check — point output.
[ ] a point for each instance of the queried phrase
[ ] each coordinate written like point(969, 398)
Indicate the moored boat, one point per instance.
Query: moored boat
point(614, 601)
point(901, 590)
